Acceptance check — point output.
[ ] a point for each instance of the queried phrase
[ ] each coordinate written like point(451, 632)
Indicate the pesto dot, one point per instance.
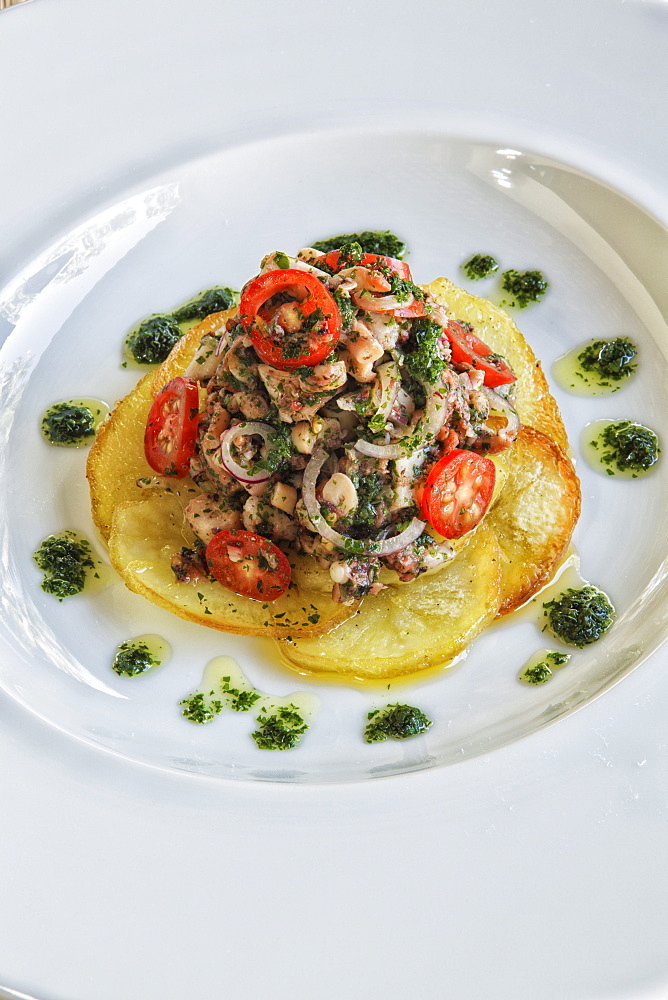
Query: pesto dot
point(480, 265)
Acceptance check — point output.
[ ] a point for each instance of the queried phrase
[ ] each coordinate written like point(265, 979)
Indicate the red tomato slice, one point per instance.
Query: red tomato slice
point(370, 260)
point(315, 315)
point(458, 492)
point(468, 349)
point(248, 564)
point(171, 428)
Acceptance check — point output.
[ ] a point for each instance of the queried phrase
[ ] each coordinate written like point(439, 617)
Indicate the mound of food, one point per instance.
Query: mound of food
point(367, 470)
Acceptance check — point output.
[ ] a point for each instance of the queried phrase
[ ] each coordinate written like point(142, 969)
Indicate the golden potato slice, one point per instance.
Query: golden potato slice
point(411, 627)
point(116, 460)
point(535, 405)
point(534, 516)
point(145, 535)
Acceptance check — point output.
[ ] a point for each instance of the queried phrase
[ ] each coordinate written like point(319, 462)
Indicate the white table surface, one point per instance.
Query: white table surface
point(539, 871)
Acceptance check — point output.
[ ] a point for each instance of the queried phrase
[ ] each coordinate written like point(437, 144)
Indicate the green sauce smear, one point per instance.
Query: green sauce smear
point(65, 560)
point(540, 673)
point(282, 730)
point(68, 423)
point(396, 722)
point(609, 360)
point(579, 617)
point(479, 266)
point(151, 341)
point(381, 242)
point(133, 658)
point(524, 286)
point(630, 447)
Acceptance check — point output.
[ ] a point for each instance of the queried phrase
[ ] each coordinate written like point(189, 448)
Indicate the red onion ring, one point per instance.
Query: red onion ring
point(244, 429)
point(353, 546)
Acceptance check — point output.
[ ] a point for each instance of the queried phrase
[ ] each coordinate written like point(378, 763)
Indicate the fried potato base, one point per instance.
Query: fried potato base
point(407, 627)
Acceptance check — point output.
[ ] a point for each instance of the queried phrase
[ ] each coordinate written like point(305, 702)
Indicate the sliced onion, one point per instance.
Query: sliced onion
point(426, 427)
point(365, 300)
point(385, 388)
point(244, 429)
point(499, 438)
point(353, 546)
point(269, 264)
point(379, 450)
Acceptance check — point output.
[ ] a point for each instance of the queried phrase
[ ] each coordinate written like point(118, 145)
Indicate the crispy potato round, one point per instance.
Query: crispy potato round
point(411, 627)
point(534, 516)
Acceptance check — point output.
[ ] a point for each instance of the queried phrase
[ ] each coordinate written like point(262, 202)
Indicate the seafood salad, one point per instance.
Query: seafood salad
point(339, 412)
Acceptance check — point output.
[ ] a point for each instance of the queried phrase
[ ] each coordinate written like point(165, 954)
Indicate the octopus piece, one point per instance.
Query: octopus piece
point(189, 565)
point(354, 578)
point(262, 518)
point(207, 514)
point(300, 398)
point(253, 405)
point(423, 554)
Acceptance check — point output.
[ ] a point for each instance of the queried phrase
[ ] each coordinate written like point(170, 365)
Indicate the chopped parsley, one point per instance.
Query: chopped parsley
point(64, 559)
point(381, 242)
point(369, 493)
point(133, 658)
point(524, 286)
point(579, 617)
point(540, 673)
point(631, 447)
point(397, 722)
point(609, 359)
point(211, 301)
point(280, 451)
point(238, 700)
point(151, 341)
point(197, 708)
point(425, 361)
point(282, 730)
point(480, 265)
point(68, 423)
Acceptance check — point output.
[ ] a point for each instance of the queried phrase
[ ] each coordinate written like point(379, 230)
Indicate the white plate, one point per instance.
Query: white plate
point(209, 221)
point(536, 870)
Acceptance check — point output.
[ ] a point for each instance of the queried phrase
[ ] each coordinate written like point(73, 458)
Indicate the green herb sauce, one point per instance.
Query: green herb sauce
point(281, 730)
point(136, 656)
point(524, 286)
point(281, 722)
point(397, 722)
point(425, 361)
point(620, 448)
point(579, 617)
point(73, 423)
point(212, 300)
point(66, 559)
point(597, 368)
point(381, 242)
point(151, 341)
point(541, 666)
point(480, 265)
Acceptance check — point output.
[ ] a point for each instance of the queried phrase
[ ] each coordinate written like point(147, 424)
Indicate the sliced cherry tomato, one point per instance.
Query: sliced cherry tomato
point(248, 564)
point(373, 261)
point(315, 316)
point(469, 350)
point(171, 428)
point(458, 492)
